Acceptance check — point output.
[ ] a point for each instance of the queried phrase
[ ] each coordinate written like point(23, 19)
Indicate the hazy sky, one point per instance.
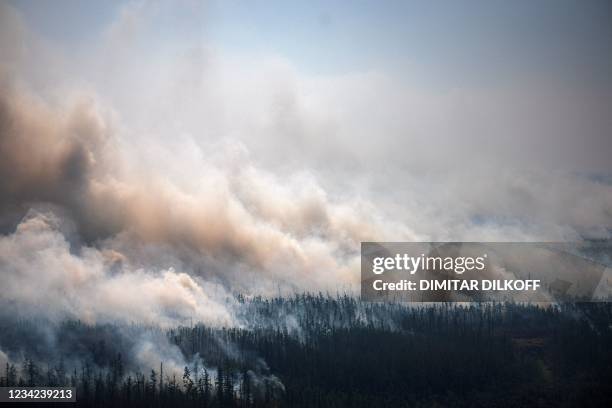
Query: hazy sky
point(443, 44)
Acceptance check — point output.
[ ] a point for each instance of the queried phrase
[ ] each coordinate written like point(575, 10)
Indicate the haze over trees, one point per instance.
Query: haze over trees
point(318, 350)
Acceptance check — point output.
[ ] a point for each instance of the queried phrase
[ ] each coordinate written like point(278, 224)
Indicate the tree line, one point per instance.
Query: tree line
point(332, 351)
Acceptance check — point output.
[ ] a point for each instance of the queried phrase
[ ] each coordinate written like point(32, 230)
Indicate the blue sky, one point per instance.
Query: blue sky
point(441, 43)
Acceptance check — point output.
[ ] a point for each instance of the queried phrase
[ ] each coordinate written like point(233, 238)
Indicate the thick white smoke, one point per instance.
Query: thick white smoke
point(43, 277)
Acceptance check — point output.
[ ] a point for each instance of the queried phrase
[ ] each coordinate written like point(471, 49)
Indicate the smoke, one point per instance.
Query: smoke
point(3, 359)
point(136, 187)
point(153, 347)
point(43, 278)
point(235, 214)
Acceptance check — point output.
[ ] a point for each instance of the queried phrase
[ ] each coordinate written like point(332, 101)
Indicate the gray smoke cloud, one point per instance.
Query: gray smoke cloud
point(42, 277)
point(91, 235)
point(140, 188)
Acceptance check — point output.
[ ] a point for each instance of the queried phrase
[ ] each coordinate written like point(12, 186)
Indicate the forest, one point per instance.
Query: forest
point(318, 350)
